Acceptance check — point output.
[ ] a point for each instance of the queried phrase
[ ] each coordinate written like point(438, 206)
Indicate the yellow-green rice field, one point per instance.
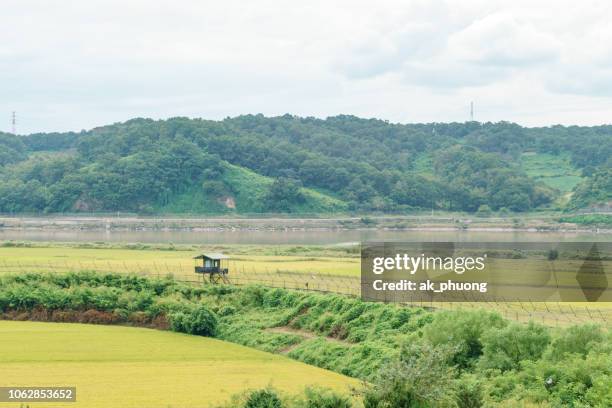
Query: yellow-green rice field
point(113, 366)
point(162, 262)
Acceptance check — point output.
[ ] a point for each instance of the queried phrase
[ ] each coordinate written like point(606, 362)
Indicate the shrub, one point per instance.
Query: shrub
point(136, 301)
point(505, 348)
point(226, 311)
point(469, 393)
point(504, 212)
point(168, 305)
point(220, 290)
point(462, 332)
point(272, 297)
point(98, 317)
point(178, 321)
point(576, 339)
point(263, 399)
point(323, 398)
point(203, 322)
point(420, 378)
point(573, 381)
point(200, 321)
point(552, 255)
point(253, 296)
point(484, 211)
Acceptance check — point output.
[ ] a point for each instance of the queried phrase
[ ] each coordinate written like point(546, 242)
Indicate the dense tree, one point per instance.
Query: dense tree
point(282, 195)
point(12, 149)
point(596, 189)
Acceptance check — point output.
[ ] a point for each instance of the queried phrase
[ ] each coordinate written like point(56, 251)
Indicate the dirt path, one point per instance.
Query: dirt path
point(306, 335)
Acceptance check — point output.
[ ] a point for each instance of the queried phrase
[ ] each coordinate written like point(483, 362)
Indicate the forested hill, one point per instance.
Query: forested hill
point(253, 164)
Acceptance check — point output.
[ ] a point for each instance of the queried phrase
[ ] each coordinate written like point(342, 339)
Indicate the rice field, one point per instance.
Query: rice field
point(162, 262)
point(154, 368)
point(309, 270)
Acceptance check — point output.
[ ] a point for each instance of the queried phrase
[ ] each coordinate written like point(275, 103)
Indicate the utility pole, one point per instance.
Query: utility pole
point(14, 123)
point(472, 111)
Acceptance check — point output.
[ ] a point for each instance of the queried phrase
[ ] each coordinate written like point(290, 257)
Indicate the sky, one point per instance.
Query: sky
point(73, 65)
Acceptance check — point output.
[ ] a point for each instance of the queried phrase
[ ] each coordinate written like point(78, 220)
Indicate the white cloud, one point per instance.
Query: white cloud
point(72, 65)
point(501, 40)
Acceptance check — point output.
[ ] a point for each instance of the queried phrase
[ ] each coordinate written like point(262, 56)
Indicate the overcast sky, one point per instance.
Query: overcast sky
point(72, 65)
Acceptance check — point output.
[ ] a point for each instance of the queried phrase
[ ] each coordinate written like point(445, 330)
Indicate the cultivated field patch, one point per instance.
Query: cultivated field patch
point(133, 367)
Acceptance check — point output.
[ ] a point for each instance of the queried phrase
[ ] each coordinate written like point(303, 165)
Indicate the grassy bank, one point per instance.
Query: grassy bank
point(344, 250)
point(544, 220)
point(596, 220)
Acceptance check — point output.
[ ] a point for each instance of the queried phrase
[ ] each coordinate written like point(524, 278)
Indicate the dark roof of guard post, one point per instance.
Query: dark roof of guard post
point(213, 256)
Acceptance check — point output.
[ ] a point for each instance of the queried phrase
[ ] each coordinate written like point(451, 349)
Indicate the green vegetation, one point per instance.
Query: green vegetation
point(312, 397)
point(603, 220)
point(108, 299)
point(556, 171)
point(595, 189)
point(410, 356)
point(288, 164)
point(263, 399)
point(243, 191)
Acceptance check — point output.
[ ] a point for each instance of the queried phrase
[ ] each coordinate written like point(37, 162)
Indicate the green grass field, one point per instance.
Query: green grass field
point(154, 368)
point(554, 171)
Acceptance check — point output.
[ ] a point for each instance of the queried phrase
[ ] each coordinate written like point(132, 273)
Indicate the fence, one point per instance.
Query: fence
point(548, 313)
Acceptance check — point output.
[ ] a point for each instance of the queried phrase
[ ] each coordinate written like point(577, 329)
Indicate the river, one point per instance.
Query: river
point(298, 237)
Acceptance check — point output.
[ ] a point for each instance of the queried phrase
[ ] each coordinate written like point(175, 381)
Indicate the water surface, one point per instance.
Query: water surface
point(292, 237)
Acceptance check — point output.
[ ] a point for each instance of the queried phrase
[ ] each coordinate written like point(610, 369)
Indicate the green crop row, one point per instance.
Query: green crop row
point(125, 299)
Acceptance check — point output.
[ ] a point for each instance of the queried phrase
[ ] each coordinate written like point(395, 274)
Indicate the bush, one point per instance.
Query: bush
point(419, 379)
point(484, 211)
point(552, 255)
point(576, 339)
point(263, 399)
point(203, 322)
point(323, 398)
point(469, 393)
point(504, 212)
point(226, 311)
point(199, 321)
point(253, 296)
point(462, 332)
point(505, 348)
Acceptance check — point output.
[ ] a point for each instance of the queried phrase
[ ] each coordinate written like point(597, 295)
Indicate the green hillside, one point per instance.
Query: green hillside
point(288, 164)
point(555, 171)
point(244, 190)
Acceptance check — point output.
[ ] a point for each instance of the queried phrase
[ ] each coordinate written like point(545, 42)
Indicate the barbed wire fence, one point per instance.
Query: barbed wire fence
point(547, 313)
